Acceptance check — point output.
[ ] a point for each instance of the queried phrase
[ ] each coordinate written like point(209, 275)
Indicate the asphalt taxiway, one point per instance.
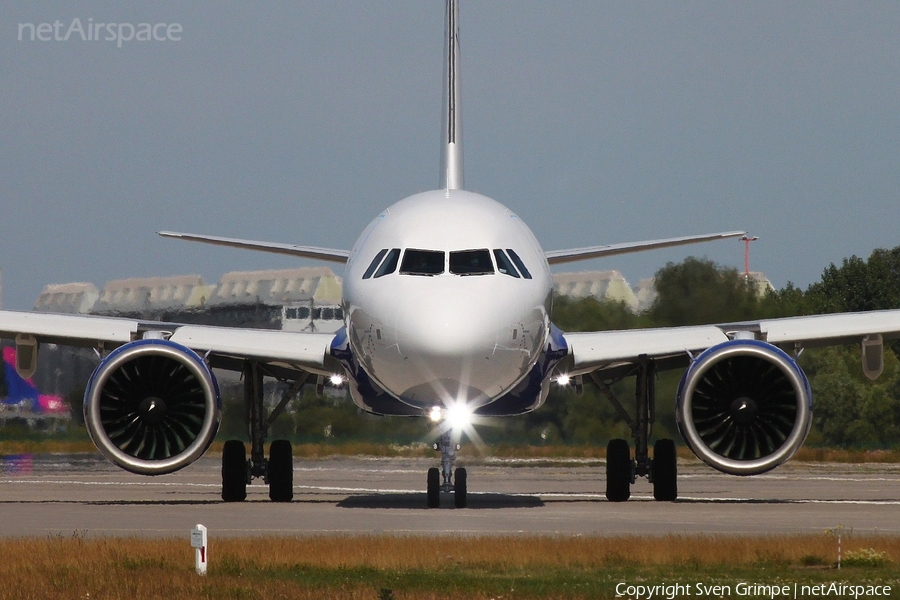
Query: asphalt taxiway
point(45, 495)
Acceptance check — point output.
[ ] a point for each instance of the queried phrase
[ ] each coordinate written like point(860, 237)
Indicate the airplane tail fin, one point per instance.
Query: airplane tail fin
point(451, 128)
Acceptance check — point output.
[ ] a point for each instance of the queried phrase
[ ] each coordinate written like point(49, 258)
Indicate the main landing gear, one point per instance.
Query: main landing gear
point(621, 469)
point(277, 471)
point(458, 485)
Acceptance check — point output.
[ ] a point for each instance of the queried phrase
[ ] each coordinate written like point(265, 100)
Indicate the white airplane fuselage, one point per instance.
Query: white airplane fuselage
point(436, 335)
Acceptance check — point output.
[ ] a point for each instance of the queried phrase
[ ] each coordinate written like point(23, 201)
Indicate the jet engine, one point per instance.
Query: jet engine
point(152, 406)
point(744, 407)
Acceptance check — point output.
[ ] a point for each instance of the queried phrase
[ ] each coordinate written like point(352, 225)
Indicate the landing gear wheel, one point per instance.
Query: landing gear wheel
point(459, 488)
point(234, 471)
point(434, 487)
point(618, 471)
point(281, 472)
point(664, 471)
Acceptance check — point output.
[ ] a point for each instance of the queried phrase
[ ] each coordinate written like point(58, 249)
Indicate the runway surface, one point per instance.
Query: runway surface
point(45, 495)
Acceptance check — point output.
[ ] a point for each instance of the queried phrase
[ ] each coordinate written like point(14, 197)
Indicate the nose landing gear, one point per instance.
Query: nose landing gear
point(452, 482)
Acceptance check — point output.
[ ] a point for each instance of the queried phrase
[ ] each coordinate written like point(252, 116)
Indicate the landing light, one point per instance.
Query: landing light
point(336, 380)
point(456, 416)
point(563, 379)
point(459, 415)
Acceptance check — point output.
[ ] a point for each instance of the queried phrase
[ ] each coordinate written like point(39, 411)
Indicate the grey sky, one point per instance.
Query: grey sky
point(595, 121)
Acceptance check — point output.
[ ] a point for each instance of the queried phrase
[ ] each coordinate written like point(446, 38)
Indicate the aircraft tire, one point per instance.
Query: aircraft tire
point(281, 471)
point(665, 471)
point(234, 471)
point(618, 471)
point(460, 491)
point(434, 487)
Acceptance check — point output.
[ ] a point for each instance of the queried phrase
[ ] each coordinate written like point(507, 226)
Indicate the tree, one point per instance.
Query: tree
point(859, 285)
point(590, 314)
point(698, 291)
point(850, 410)
point(790, 301)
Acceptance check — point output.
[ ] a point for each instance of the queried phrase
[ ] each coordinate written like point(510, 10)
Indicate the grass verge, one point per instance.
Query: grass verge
point(394, 567)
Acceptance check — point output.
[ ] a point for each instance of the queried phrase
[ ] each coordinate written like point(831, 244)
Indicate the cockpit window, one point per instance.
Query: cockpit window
point(375, 262)
point(515, 258)
point(471, 262)
point(422, 262)
point(504, 265)
point(390, 263)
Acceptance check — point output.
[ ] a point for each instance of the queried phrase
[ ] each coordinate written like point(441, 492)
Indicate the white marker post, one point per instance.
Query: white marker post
point(199, 542)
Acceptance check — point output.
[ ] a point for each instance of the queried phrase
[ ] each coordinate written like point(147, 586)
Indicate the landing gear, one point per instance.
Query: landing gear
point(621, 469)
point(280, 473)
point(459, 490)
point(434, 487)
point(278, 470)
point(452, 482)
point(234, 471)
point(664, 471)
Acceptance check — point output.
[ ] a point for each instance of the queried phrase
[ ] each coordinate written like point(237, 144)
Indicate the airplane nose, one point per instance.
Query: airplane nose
point(452, 342)
point(448, 351)
point(447, 327)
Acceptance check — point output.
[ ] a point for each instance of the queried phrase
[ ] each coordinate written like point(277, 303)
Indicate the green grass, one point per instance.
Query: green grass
point(397, 567)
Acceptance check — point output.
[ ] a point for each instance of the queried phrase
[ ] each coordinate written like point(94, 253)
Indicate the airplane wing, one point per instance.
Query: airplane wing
point(555, 257)
point(295, 350)
point(153, 404)
point(590, 351)
point(328, 254)
point(743, 406)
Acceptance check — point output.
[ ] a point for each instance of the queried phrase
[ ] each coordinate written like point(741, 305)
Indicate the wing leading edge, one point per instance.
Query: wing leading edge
point(555, 257)
point(302, 351)
point(590, 351)
point(328, 254)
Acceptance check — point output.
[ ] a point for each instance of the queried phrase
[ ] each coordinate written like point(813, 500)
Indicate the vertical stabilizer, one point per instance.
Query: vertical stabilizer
point(451, 129)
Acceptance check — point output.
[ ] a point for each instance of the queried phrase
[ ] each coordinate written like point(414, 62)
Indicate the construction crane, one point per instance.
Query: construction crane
point(747, 239)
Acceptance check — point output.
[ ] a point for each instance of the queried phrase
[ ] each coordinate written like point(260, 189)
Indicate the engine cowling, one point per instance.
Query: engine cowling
point(152, 406)
point(744, 407)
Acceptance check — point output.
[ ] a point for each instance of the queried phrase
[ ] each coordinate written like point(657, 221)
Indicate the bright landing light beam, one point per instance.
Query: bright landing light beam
point(459, 416)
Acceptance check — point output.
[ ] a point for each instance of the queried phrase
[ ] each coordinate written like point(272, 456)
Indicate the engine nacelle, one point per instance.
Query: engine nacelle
point(744, 407)
point(152, 406)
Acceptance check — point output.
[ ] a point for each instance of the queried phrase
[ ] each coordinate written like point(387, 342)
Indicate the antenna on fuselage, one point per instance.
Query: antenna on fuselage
point(451, 129)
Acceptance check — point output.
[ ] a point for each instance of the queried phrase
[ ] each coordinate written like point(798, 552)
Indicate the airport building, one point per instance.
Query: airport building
point(601, 285)
point(611, 285)
point(302, 299)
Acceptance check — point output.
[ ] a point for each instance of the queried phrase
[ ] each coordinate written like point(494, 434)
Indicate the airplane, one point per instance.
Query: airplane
point(447, 303)
point(21, 394)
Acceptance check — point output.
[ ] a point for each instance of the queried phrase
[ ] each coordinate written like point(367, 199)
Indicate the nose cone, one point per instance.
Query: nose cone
point(457, 347)
point(435, 341)
point(445, 329)
point(445, 347)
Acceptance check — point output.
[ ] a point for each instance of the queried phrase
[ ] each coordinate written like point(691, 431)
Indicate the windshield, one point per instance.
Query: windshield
point(422, 262)
point(471, 262)
point(390, 263)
